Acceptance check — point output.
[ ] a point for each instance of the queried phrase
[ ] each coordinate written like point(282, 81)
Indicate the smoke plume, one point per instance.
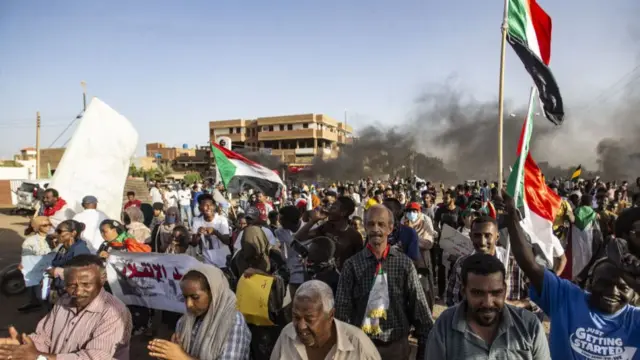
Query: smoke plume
point(453, 137)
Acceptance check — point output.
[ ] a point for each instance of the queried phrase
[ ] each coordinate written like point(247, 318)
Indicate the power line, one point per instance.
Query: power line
point(620, 84)
point(67, 128)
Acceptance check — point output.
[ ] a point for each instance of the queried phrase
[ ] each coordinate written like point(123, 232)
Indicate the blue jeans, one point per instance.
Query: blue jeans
point(185, 213)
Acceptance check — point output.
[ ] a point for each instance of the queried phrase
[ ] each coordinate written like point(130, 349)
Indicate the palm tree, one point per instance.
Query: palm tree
point(163, 171)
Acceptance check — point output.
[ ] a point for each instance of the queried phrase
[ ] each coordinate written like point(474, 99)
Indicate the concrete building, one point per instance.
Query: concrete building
point(162, 153)
point(49, 159)
point(297, 139)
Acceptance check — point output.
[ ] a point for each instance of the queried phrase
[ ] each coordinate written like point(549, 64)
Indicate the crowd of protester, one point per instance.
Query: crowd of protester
point(357, 271)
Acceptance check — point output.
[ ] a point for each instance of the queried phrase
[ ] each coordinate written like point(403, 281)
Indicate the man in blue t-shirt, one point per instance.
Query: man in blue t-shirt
point(599, 324)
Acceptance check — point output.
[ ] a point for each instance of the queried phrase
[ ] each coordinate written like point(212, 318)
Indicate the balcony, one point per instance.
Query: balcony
point(287, 134)
point(328, 135)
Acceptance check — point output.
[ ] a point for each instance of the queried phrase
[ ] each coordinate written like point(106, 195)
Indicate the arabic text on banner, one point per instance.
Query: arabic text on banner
point(253, 299)
point(33, 268)
point(149, 279)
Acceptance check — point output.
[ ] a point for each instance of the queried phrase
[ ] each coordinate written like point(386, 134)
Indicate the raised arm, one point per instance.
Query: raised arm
point(521, 249)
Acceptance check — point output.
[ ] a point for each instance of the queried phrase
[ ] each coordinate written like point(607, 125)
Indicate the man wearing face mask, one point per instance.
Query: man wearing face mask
point(484, 236)
point(403, 237)
point(483, 326)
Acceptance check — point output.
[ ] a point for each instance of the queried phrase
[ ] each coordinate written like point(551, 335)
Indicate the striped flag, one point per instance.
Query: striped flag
point(237, 172)
point(576, 173)
point(529, 34)
point(526, 185)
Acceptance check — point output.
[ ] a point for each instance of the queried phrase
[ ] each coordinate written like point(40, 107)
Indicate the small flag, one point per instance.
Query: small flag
point(529, 34)
point(238, 172)
point(576, 173)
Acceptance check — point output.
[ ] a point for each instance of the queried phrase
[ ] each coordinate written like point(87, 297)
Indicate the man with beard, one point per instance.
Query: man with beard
point(314, 333)
point(484, 237)
point(483, 326)
point(337, 227)
point(595, 324)
point(55, 208)
point(86, 323)
point(378, 283)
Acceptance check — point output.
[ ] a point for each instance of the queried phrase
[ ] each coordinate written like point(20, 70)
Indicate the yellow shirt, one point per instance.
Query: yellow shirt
point(351, 344)
point(371, 202)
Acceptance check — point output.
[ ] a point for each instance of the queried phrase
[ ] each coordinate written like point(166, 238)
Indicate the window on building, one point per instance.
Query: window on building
point(239, 130)
point(281, 127)
point(290, 127)
point(265, 128)
point(270, 127)
point(305, 125)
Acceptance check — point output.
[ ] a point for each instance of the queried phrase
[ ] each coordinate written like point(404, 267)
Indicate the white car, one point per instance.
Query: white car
point(29, 193)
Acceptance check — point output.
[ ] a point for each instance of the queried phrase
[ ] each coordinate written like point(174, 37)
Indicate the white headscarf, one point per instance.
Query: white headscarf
point(209, 342)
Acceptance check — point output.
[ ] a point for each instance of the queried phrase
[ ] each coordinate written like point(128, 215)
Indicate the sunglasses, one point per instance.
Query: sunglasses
point(45, 225)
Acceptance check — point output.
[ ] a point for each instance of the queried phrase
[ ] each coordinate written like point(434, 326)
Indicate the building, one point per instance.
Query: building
point(297, 139)
point(164, 154)
point(49, 160)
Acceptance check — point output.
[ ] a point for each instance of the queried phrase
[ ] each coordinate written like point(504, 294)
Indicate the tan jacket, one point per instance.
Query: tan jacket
point(352, 344)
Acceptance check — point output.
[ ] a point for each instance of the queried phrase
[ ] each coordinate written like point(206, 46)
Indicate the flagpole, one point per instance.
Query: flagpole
point(503, 51)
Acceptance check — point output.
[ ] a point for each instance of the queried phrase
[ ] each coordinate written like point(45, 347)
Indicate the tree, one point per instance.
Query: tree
point(163, 171)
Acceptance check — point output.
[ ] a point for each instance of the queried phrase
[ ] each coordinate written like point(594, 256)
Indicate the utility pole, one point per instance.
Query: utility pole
point(37, 144)
point(84, 95)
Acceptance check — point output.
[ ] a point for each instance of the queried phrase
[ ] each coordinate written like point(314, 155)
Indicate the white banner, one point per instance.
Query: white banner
point(149, 279)
point(453, 243)
point(96, 162)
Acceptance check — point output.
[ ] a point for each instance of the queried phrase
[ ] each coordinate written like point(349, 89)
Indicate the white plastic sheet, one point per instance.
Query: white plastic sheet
point(97, 160)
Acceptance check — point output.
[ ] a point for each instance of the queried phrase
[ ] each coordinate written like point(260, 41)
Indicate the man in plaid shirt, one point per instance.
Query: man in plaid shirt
point(407, 302)
point(484, 236)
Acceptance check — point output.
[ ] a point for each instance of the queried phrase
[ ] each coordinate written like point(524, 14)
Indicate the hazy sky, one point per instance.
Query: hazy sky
point(172, 66)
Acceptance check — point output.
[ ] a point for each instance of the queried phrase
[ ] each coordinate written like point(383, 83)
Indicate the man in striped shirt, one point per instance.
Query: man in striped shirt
point(87, 323)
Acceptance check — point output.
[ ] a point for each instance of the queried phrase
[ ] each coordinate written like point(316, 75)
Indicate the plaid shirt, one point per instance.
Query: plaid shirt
point(517, 284)
point(408, 304)
point(238, 340)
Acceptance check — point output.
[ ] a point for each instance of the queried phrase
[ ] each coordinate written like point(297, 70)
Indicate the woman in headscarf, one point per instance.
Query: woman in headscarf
point(212, 328)
point(161, 234)
point(68, 234)
point(256, 256)
point(36, 245)
point(134, 220)
point(118, 239)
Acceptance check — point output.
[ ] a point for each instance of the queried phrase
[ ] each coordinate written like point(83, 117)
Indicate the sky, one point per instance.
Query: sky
point(171, 67)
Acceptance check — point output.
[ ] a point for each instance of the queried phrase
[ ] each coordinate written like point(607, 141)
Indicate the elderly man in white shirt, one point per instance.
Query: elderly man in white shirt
point(314, 333)
point(91, 217)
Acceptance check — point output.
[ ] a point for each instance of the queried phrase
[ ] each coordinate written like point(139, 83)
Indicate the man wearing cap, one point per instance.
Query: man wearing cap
point(91, 217)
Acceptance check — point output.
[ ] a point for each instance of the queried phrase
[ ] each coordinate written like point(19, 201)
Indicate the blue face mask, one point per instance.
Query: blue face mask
point(412, 216)
point(170, 220)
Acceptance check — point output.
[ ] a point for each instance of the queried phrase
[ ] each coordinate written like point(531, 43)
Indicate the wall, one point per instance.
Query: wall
point(31, 166)
point(51, 157)
point(5, 192)
point(14, 173)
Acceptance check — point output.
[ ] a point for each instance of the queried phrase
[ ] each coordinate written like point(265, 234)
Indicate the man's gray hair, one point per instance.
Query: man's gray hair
point(313, 289)
point(389, 212)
